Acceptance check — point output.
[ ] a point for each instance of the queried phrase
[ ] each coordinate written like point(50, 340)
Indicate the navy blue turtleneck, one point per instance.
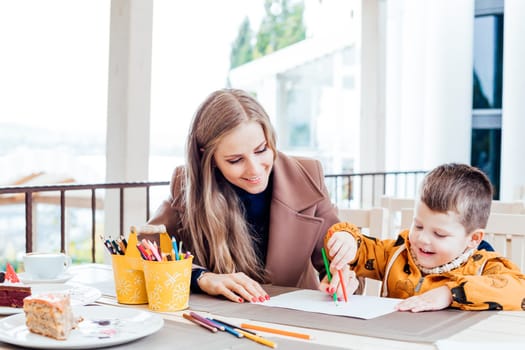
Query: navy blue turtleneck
point(257, 214)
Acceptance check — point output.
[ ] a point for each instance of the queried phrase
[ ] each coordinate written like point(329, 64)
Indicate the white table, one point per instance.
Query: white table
point(502, 329)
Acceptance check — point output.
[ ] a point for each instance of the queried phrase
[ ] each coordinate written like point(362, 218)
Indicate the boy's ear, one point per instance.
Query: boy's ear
point(476, 237)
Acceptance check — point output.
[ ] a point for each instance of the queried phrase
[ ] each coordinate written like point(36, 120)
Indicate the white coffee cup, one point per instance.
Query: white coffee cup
point(45, 265)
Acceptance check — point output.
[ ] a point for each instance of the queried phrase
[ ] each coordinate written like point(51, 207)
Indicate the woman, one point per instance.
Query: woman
point(248, 213)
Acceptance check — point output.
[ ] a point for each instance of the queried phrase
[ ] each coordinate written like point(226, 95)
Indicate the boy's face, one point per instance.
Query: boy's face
point(438, 238)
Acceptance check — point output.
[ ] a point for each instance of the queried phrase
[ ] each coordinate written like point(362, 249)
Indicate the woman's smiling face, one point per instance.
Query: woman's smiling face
point(244, 158)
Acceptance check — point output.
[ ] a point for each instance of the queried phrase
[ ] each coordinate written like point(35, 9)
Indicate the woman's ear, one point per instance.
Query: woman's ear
point(476, 237)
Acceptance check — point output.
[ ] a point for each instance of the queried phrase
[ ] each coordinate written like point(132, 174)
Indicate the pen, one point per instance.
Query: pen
point(202, 324)
point(233, 326)
point(276, 331)
point(227, 328)
point(258, 339)
point(342, 285)
point(327, 267)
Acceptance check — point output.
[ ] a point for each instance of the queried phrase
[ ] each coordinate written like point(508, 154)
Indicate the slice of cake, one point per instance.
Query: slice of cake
point(12, 292)
point(50, 315)
point(12, 295)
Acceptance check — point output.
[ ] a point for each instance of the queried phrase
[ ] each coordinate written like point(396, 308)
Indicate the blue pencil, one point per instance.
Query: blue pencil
point(226, 328)
point(175, 247)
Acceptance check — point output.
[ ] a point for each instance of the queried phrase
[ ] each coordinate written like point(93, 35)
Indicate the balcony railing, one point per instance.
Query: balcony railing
point(346, 190)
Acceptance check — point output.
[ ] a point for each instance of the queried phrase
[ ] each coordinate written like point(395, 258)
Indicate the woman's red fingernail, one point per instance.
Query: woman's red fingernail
point(261, 299)
point(328, 289)
point(254, 300)
point(267, 297)
point(241, 300)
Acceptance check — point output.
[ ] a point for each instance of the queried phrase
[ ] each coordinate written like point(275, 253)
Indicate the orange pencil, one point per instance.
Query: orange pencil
point(341, 280)
point(275, 331)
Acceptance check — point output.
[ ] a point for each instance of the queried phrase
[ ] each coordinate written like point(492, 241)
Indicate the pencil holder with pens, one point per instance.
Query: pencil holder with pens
point(164, 285)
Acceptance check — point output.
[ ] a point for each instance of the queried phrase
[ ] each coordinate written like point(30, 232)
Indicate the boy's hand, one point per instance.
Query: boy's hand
point(342, 247)
point(435, 299)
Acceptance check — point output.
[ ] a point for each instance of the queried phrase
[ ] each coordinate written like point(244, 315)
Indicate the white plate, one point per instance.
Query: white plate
point(28, 279)
point(101, 326)
point(80, 294)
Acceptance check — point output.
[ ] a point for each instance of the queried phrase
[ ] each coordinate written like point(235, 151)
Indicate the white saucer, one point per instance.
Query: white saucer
point(28, 279)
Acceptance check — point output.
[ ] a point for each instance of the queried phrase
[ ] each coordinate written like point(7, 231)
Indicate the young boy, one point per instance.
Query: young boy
point(435, 264)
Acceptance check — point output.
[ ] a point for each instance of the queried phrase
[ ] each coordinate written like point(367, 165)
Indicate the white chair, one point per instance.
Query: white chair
point(506, 233)
point(407, 216)
point(394, 206)
point(513, 207)
point(372, 222)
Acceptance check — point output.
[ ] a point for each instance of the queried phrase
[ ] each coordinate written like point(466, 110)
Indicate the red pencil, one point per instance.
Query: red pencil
point(342, 285)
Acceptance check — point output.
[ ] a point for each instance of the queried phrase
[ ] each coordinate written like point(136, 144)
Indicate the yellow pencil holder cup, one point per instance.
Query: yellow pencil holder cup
point(168, 284)
point(129, 282)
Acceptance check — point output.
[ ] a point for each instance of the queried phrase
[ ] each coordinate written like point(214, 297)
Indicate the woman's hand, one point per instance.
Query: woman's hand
point(435, 299)
point(236, 287)
point(342, 247)
point(351, 283)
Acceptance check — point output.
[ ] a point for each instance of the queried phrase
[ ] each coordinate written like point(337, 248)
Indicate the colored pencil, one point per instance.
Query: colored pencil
point(205, 320)
point(328, 274)
point(202, 324)
point(175, 248)
point(227, 328)
point(233, 326)
point(342, 285)
point(259, 339)
point(275, 331)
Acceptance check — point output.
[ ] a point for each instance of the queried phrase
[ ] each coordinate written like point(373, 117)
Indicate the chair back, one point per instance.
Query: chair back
point(394, 207)
point(506, 233)
point(513, 207)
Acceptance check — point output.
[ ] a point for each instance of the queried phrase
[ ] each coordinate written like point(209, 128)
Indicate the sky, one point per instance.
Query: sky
point(54, 74)
point(55, 56)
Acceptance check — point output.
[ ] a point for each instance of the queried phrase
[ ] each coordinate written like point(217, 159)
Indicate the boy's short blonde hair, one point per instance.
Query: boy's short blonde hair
point(461, 188)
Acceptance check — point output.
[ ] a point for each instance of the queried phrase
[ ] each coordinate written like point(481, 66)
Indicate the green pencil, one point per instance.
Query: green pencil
point(327, 267)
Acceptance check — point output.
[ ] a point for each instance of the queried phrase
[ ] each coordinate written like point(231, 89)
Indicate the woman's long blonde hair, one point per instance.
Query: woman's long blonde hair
point(214, 217)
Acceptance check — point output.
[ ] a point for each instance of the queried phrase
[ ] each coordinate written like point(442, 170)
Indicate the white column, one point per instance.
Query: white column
point(127, 142)
point(372, 47)
point(513, 120)
point(448, 82)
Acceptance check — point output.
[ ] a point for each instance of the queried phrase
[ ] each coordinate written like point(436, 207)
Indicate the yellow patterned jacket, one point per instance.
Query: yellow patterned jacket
point(487, 281)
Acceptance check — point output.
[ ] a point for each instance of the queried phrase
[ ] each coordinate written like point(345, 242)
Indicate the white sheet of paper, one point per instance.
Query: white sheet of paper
point(359, 306)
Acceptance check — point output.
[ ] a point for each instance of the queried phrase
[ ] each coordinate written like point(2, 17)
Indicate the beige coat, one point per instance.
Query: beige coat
point(300, 214)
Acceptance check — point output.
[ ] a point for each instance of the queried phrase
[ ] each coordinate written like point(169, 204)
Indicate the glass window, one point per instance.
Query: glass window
point(488, 58)
point(487, 94)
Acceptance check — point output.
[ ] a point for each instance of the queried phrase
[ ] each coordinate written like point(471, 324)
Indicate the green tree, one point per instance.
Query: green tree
point(242, 50)
point(281, 26)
